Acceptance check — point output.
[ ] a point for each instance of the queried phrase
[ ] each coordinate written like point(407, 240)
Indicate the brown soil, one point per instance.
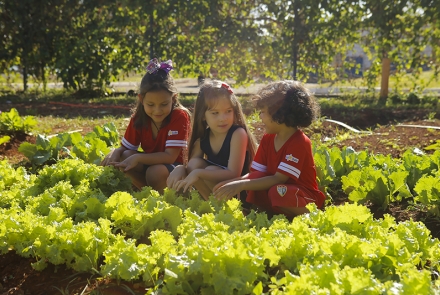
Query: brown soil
point(387, 137)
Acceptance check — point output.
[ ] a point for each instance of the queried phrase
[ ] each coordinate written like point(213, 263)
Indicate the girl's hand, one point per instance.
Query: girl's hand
point(221, 183)
point(127, 164)
point(228, 191)
point(111, 157)
point(186, 183)
point(175, 176)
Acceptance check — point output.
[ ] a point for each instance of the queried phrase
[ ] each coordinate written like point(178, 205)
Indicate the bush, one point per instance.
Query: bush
point(413, 98)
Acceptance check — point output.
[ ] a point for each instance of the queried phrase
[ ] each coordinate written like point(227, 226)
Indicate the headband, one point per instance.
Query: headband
point(154, 65)
point(227, 87)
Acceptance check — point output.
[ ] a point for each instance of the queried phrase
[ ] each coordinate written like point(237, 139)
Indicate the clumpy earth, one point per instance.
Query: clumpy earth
point(382, 131)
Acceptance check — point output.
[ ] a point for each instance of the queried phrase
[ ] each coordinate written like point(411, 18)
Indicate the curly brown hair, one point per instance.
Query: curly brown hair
point(288, 102)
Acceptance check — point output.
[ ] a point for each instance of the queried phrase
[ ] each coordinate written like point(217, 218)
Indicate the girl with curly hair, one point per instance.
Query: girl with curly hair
point(283, 176)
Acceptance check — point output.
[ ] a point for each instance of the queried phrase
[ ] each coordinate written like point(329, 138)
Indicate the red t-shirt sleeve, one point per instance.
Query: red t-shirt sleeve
point(132, 137)
point(294, 157)
point(260, 160)
point(178, 130)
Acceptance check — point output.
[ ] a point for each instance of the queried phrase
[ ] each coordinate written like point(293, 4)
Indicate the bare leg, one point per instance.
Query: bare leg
point(156, 177)
point(208, 183)
point(202, 188)
point(136, 174)
point(294, 211)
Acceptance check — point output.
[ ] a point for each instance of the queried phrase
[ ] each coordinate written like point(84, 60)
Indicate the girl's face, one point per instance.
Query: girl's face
point(271, 126)
point(220, 116)
point(157, 105)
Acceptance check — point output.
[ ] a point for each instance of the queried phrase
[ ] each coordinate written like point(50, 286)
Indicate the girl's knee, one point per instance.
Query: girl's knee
point(156, 176)
point(195, 163)
point(157, 171)
point(213, 167)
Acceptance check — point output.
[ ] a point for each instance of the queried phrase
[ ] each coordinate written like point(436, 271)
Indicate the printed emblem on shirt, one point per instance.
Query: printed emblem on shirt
point(281, 189)
point(172, 132)
point(291, 158)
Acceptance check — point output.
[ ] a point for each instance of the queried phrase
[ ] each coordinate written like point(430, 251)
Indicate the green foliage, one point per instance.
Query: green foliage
point(428, 192)
point(91, 148)
point(399, 31)
point(419, 165)
point(332, 164)
point(64, 216)
point(45, 150)
point(376, 186)
point(377, 178)
point(11, 122)
point(90, 44)
point(4, 139)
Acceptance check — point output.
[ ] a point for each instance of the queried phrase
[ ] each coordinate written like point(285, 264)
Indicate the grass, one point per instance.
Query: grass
point(50, 125)
point(426, 79)
point(14, 77)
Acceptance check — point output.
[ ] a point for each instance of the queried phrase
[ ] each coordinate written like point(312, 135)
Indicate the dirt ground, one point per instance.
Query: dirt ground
point(389, 134)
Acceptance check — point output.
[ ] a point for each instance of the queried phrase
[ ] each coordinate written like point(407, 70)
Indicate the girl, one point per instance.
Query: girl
point(221, 146)
point(160, 125)
point(283, 177)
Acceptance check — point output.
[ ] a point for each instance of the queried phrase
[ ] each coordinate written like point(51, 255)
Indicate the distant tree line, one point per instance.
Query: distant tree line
point(88, 44)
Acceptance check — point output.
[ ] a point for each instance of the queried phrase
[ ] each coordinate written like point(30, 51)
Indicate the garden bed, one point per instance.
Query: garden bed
point(388, 132)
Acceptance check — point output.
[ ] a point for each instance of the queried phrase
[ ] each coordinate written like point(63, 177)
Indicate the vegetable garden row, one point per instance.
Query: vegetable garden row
point(65, 209)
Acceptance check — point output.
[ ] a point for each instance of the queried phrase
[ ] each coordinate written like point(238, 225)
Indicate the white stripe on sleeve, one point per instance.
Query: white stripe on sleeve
point(129, 145)
point(259, 167)
point(179, 143)
point(289, 169)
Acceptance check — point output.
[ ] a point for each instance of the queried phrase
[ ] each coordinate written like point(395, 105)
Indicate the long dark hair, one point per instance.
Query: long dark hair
point(158, 81)
point(210, 92)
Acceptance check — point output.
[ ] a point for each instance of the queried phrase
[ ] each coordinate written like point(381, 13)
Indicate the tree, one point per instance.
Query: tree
point(305, 37)
point(396, 34)
point(21, 30)
point(432, 19)
point(99, 45)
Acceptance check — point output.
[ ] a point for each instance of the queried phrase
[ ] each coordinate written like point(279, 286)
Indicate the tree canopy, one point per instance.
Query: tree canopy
point(89, 44)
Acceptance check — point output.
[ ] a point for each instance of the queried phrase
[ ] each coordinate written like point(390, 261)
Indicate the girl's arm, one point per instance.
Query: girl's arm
point(233, 188)
point(196, 150)
point(168, 156)
point(236, 161)
point(221, 183)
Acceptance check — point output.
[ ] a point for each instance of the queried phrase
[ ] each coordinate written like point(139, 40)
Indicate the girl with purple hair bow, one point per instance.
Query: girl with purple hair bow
point(159, 125)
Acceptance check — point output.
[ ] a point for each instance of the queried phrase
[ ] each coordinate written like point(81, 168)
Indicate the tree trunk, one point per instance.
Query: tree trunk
point(151, 33)
point(43, 78)
point(295, 40)
point(25, 78)
point(386, 62)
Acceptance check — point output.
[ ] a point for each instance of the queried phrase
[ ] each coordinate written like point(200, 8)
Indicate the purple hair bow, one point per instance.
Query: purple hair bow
point(154, 65)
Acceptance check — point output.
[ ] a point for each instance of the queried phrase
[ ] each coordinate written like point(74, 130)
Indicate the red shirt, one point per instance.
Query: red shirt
point(294, 159)
point(172, 135)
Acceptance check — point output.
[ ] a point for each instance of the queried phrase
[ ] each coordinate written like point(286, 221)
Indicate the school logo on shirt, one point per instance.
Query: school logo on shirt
point(172, 132)
point(291, 158)
point(281, 189)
